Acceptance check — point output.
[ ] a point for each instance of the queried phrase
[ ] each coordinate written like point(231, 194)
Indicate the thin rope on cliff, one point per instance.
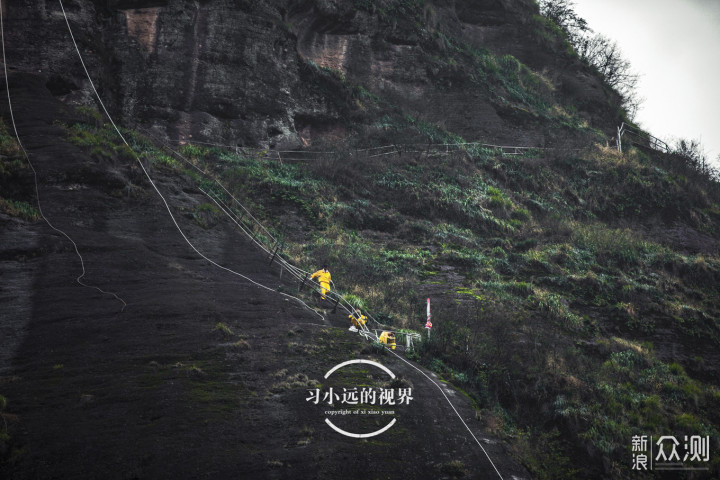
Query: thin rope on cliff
point(79, 279)
point(295, 271)
point(152, 183)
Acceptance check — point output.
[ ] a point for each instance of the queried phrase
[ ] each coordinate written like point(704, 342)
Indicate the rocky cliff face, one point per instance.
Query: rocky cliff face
point(288, 73)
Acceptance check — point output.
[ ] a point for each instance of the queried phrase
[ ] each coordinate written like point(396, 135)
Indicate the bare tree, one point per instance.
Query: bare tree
point(596, 50)
point(562, 12)
point(605, 55)
point(692, 152)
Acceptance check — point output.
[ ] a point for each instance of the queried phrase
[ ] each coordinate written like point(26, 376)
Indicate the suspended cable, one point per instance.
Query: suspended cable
point(79, 279)
point(152, 183)
point(454, 410)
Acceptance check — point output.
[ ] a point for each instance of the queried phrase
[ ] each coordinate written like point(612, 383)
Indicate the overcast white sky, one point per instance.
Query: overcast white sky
point(675, 46)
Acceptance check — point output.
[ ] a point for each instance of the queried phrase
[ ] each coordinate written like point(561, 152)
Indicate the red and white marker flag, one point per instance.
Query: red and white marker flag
point(429, 323)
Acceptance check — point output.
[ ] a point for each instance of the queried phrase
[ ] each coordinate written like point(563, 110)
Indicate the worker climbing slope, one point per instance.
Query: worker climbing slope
point(388, 338)
point(323, 277)
point(357, 321)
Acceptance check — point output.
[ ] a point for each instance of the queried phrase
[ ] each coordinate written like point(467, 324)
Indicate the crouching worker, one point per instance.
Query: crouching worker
point(388, 338)
point(323, 277)
point(357, 322)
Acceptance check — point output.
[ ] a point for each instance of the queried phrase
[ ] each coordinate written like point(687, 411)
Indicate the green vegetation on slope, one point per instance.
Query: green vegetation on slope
point(14, 179)
point(556, 294)
point(565, 305)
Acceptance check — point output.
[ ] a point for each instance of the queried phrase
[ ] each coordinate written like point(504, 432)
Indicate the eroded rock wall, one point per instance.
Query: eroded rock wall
point(246, 72)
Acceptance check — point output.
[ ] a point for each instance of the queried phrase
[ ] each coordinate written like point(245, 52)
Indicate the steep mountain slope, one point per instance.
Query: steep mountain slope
point(574, 288)
point(201, 374)
point(574, 292)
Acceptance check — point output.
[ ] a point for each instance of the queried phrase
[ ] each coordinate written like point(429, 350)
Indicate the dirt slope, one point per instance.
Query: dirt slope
point(156, 390)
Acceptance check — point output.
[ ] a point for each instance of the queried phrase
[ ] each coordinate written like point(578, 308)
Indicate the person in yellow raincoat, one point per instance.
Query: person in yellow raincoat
point(387, 338)
point(357, 322)
point(323, 277)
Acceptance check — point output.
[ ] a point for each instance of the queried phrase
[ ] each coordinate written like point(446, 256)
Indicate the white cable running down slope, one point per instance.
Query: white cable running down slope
point(365, 331)
point(296, 272)
point(35, 176)
point(202, 172)
point(454, 410)
point(167, 206)
point(227, 211)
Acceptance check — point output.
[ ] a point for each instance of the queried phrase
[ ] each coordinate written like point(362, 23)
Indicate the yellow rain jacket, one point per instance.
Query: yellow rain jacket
point(358, 322)
point(388, 338)
point(324, 279)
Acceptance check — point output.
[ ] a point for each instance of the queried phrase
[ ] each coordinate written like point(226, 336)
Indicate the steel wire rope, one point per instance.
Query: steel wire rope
point(289, 267)
point(293, 270)
point(228, 211)
point(454, 410)
point(152, 183)
point(284, 264)
point(186, 160)
point(79, 279)
point(297, 272)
